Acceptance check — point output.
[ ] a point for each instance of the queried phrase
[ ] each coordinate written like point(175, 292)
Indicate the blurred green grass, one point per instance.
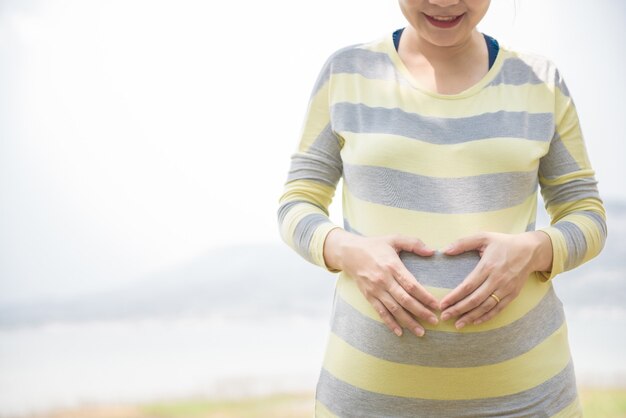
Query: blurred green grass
point(278, 406)
point(597, 403)
point(601, 403)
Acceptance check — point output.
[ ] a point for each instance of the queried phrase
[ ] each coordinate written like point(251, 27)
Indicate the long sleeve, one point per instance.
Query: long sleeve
point(569, 189)
point(315, 170)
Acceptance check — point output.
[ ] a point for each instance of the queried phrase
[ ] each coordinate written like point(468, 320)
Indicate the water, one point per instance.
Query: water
point(69, 364)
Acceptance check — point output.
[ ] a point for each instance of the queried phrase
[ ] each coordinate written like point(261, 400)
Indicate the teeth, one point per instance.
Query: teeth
point(444, 18)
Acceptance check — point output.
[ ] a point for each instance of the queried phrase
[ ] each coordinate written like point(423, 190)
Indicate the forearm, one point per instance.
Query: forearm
point(304, 226)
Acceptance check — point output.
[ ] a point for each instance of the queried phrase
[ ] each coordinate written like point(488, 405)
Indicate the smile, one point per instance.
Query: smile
point(444, 21)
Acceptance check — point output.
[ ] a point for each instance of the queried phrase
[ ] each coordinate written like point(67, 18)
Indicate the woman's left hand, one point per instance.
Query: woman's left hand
point(506, 261)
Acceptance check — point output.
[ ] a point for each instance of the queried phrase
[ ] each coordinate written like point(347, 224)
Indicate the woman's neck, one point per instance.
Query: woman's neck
point(471, 50)
point(445, 70)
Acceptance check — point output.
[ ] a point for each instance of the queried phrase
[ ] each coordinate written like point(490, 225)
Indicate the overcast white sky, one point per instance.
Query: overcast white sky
point(136, 134)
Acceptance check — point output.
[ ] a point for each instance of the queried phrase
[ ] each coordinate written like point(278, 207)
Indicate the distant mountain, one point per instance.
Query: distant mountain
point(243, 280)
point(254, 280)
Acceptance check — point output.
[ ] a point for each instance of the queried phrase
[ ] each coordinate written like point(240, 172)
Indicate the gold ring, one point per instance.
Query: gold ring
point(497, 299)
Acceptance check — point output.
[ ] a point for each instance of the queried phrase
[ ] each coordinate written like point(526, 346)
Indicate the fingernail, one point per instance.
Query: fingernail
point(460, 325)
point(398, 332)
point(445, 316)
point(448, 248)
point(478, 321)
point(433, 320)
point(419, 332)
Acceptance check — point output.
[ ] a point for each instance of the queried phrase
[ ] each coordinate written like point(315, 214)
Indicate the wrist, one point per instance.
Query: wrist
point(334, 246)
point(541, 250)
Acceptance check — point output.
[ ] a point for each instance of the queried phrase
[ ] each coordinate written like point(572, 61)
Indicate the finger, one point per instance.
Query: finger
point(472, 301)
point(386, 316)
point(410, 304)
point(473, 280)
point(472, 242)
point(412, 245)
point(401, 315)
point(410, 284)
point(498, 308)
point(469, 318)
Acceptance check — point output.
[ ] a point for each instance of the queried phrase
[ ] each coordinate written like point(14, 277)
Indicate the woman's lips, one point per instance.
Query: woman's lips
point(444, 22)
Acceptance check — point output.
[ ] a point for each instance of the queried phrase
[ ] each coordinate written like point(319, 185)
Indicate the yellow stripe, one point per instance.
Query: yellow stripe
point(354, 88)
point(573, 410)
point(322, 412)
point(559, 253)
point(531, 294)
point(435, 229)
point(568, 177)
point(316, 246)
point(496, 155)
point(320, 194)
point(558, 210)
point(317, 117)
point(571, 135)
point(395, 379)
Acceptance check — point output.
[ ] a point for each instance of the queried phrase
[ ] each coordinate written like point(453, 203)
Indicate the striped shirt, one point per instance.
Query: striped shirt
point(440, 167)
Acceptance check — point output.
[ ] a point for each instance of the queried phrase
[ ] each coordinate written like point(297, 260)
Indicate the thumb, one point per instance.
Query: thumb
point(469, 243)
point(410, 244)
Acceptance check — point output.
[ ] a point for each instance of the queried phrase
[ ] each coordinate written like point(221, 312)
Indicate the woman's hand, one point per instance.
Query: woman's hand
point(505, 264)
point(382, 277)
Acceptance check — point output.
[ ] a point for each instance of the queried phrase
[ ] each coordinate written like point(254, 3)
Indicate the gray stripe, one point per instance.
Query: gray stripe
point(575, 241)
point(558, 161)
point(349, 228)
point(544, 400)
point(599, 221)
point(369, 64)
point(359, 118)
point(573, 190)
point(320, 162)
point(449, 349)
point(485, 192)
point(516, 72)
point(326, 70)
point(287, 206)
point(355, 60)
point(440, 270)
point(304, 233)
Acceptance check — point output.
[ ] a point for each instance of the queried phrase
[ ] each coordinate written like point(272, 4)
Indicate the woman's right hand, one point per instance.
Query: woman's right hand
point(375, 264)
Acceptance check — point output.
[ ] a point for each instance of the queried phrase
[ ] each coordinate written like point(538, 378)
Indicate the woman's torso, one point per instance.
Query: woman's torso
point(440, 167)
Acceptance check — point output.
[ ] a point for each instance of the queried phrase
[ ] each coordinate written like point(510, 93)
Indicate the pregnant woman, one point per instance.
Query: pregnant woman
point(444, 305)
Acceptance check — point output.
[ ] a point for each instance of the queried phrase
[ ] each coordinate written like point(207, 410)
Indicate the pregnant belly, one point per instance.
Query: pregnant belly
point(439, 274)
point(528, 338)
point(440, 270)
point(536, 316)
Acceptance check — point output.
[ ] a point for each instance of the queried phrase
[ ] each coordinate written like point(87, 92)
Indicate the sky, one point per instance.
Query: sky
point(136, 134)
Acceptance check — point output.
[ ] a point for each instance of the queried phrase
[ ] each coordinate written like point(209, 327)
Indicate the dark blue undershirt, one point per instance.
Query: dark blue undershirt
point(492, 45)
